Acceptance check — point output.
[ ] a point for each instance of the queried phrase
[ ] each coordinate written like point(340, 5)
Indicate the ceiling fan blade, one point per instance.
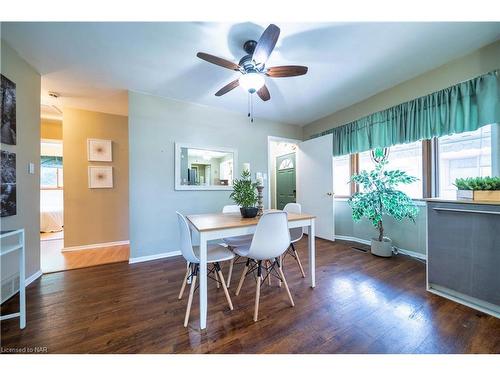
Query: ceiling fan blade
point(263, 93)
point(228, 87)
point(266, 44)
point(218, 61)
point(286, 71)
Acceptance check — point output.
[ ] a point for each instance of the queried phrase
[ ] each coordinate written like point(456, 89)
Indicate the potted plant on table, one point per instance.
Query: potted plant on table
point(381, 198)
point(478, 188)
point(245, 195)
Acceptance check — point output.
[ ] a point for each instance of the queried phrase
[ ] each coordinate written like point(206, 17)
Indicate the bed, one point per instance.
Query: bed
point(51, 211)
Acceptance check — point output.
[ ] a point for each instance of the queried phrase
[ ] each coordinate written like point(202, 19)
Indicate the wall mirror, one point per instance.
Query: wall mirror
point(204, 168)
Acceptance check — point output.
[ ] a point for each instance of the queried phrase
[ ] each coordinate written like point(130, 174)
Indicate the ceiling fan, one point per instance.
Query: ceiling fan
point(252, 66)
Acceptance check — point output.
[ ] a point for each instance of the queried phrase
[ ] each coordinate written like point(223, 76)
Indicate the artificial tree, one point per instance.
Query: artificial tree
point(379, 195)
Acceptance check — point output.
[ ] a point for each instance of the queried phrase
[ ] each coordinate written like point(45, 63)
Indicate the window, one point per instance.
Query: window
point(342, 175)
point(51, 178)
point(365, 162)
point(456, 156)
point(286, 164)
point(51, 172)
point(406, 157)
point(463, 155)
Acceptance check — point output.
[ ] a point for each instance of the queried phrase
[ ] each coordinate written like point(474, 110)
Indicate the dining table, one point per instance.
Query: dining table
point(216, 226)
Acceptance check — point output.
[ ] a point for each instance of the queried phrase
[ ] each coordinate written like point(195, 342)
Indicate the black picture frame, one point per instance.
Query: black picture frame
point(8, 131)
point(8, 200)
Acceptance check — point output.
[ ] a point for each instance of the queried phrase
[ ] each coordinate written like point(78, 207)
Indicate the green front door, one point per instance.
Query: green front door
point(285, 180)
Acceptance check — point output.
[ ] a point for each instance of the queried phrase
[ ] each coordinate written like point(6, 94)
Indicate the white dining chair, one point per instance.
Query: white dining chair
point(270, 240)
point(234, 242)
point(215, 255)
point(295, 236)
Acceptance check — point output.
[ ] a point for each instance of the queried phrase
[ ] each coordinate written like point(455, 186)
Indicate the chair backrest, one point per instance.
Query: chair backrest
point(271, 237)
point(185, 237)
point(230, 209)
point(295, 208)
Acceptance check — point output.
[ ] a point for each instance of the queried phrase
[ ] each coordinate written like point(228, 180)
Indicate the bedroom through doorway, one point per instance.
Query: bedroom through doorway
point(51, 190)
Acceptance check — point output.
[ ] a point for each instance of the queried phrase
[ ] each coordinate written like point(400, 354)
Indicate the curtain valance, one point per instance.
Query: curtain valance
point(460, 108)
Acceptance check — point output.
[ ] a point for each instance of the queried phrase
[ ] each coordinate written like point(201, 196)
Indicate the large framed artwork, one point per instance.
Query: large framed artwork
point(99, 150)
point(100, 177)
point(8, 184)
point(7, 111)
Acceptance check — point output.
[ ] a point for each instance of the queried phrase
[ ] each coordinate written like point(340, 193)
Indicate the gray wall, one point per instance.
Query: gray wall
point(155, 124)
point(404, 234)
point(27, 150)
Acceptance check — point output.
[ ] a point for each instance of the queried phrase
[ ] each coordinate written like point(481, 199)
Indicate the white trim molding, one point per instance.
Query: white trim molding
point(147, 258)
point(410, 253)
point(96, 246)
point(33, 277)
point(12, 280)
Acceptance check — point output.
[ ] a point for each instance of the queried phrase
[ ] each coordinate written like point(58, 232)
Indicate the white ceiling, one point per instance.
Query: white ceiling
point(93, 64)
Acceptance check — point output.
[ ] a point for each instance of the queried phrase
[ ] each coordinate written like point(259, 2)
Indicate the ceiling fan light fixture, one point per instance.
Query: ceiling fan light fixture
point(252, 82)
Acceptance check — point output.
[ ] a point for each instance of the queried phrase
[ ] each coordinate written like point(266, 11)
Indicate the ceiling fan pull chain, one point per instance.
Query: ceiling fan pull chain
point(248, 104)
point(251, 107)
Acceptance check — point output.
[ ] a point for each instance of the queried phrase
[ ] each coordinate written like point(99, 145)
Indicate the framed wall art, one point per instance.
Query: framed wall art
point(100, 177)
point(99, 150)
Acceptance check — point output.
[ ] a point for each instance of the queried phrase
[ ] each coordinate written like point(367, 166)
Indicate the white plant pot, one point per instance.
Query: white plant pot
point(382, 249)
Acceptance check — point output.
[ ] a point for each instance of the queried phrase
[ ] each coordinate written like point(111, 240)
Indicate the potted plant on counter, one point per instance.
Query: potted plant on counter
point(478, 188)
point(245, 195)
point(380, 198)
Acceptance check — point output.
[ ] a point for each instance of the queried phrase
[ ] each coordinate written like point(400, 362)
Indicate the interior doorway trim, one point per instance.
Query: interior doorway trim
point(271, 138)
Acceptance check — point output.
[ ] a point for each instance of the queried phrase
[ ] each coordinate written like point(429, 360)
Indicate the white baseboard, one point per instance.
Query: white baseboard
point(410, 253)
point(14, 284)
point(353, 239)
point(96, 246)
point(147, 258)
point(33, 277)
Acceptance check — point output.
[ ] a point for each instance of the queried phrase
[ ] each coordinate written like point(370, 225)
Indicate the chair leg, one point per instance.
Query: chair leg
point(230, 273)
point(217, 279)
point(296, 254)
point(184, 282)
point(242, 278)
point(221, 278)
point(191, 293)
point(285, 283)
point(281, 262)
point(257, 292)
point(268, 267)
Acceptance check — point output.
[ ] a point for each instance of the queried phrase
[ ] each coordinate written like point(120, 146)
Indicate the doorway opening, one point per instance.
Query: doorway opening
point(282, 171)
point(51, 189)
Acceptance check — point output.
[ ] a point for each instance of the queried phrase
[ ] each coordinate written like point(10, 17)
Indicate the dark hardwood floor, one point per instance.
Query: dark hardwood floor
point(362, 304)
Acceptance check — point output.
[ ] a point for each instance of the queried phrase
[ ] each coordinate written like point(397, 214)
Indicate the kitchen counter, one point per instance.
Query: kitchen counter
point(461, 201)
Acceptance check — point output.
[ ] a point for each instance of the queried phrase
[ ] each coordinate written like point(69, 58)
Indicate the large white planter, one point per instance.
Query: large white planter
point(382, 249)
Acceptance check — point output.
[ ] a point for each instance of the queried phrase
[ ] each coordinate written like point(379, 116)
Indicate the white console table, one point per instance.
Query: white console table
point(18, 245)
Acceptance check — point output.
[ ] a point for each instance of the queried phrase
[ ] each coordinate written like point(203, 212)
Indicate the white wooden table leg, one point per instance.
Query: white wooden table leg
point(22, 291)
point(203, 281)
point(312, 254)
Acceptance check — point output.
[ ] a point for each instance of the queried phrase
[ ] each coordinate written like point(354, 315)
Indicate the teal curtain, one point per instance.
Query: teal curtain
point(463, 107)
point(51, 161)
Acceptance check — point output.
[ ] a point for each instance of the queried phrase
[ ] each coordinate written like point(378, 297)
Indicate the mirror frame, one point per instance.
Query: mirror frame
point(177, 177)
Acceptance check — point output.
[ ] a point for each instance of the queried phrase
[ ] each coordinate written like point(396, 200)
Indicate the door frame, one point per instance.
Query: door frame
point(271, 138)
